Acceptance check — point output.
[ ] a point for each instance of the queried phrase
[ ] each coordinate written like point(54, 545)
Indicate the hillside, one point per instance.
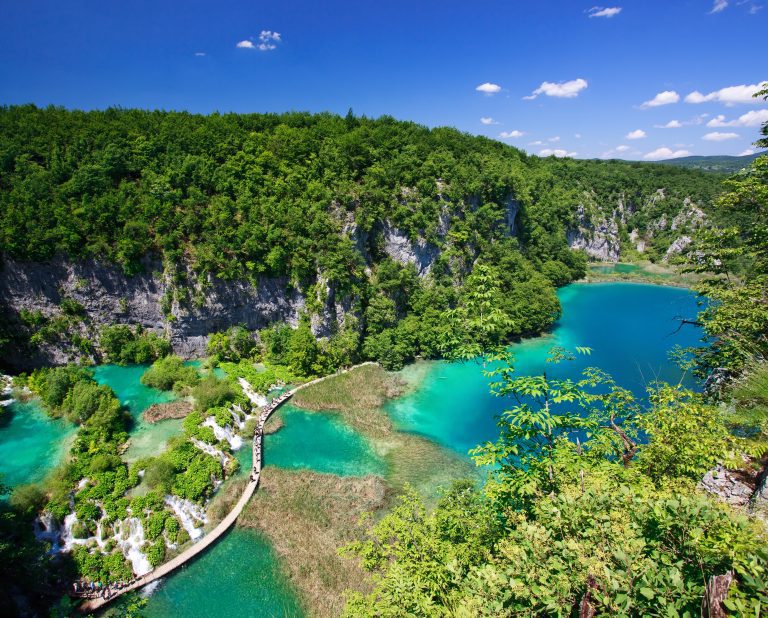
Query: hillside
point(186, 225)
point(721, 164)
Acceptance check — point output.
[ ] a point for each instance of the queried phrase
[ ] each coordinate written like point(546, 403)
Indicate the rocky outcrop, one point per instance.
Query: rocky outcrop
point(746, 488)
point(108, 297)
point(400, 248)
point(599, 239)
point(678, 246)
point(727, 485)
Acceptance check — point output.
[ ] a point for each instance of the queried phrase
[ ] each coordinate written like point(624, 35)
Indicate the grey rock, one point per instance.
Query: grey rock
point(599, 239)
point(727, 486)
point(110, 297)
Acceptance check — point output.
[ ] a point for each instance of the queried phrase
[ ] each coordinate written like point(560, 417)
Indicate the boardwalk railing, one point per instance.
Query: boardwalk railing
point(164, 569)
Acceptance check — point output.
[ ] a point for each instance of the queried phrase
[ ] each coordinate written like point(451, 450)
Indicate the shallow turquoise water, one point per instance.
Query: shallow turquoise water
point(147, 439)
point(126, 382)
point(629, 327)
point(320, 442)
point(618, 268)
point(31, 444)
point(238, 577)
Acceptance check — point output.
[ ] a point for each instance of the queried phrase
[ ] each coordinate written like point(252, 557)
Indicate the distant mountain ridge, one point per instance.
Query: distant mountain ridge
point(721, 164)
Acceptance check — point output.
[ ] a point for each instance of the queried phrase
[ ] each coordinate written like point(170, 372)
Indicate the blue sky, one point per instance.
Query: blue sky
point(555, 76)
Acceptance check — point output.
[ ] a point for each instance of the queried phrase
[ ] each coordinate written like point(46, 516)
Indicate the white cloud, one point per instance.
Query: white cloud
point(488, 88)
point(665, 153)
point(199, 54)
point(719, 5)
point(538, 142)
point(562, 90)
point(637, 134)
point(488, 120)
point(577, 135)
point(672, 124)
point(558, 152)
point(663, 98)
point(732, 95)
point(600, 11)
point(268, 40)
point(511, 134)
point(622, 148)
point(750, 119)
point(716, 136)
point(554, 140)
point(747, 152)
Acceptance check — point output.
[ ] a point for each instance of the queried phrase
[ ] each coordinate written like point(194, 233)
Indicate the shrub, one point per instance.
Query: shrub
point(168, 373)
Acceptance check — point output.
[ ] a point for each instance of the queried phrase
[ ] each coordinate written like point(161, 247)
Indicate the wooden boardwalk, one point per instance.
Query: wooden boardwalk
point(91, 605)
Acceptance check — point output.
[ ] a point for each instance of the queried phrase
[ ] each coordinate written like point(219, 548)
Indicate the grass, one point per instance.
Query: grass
point(648, 272)
point(358, 397)
point(307, 516)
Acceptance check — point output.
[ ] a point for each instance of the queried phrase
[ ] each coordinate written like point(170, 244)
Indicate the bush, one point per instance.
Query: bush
point(168, 373)
point(211, 392)
point(235, 344)
point(28, 500)
point(122, 345)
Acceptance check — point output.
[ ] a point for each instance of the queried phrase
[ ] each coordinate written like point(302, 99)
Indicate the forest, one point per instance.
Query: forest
point(308, 198)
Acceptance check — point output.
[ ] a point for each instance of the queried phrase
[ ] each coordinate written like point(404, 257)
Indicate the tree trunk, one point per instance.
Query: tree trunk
point(714, 595)
point(586, 609)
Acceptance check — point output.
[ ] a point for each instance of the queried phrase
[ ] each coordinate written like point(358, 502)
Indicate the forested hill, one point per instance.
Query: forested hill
point(722, 164)
point(349, 211)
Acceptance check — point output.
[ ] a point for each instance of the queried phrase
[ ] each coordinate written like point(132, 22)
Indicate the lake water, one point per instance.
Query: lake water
point(628, 326)
point(238, 577)
point(31, 444)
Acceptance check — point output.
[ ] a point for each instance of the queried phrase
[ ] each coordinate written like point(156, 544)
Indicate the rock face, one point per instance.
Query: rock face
point(109, 297)
point(400, 248)
point(727, 486)
point(677, 247)
point(599, 239)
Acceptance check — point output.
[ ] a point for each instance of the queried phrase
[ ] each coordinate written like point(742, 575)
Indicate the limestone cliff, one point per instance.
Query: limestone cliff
point(147, 299)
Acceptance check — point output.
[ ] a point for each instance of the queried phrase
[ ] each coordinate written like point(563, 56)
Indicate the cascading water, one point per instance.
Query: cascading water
point(224, 433)
point(211, 450)
point(131, 544)
point(256, 398)
point(189, 514)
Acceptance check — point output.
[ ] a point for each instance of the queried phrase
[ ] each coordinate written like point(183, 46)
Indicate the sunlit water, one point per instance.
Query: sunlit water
point(31, 444)
point(630, 328)
point(320, 442)
point(238, 577)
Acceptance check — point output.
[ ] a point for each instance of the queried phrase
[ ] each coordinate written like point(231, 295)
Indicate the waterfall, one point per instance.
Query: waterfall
point(5, 394)
point(256, 398)
point(188, 514)
point(211, 450)
point(131, 545)
point(47, 530)
point(224, 433)
point(63, 540)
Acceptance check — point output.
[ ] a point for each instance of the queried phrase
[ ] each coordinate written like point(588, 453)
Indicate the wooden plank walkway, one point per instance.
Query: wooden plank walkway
point(91, 605)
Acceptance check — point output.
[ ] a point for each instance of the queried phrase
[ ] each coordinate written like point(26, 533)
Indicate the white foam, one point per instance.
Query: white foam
point(190, 515)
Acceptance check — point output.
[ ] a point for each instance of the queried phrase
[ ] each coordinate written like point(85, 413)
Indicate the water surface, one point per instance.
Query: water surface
point(31, 443)
point(629, 326)
point(320, 442)
point(237, 577)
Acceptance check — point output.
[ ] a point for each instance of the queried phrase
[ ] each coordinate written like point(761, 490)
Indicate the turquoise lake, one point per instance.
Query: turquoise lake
point(31, 444)
point(239, 577)
point(629, 327)
point(322, 443)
